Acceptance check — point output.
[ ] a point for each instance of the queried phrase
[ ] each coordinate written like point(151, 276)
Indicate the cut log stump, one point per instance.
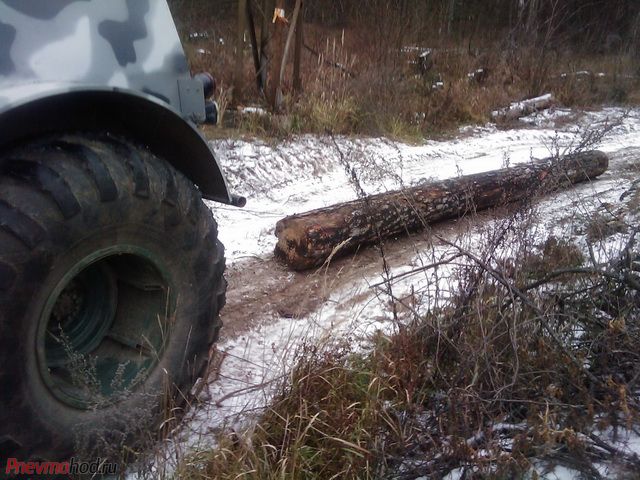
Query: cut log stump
point(307, 240)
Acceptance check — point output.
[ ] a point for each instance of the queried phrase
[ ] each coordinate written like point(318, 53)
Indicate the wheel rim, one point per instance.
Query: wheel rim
point(104, 326)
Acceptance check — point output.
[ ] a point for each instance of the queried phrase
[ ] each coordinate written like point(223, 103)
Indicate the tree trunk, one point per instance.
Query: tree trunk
point(297, 52)
point(306, 240)
point(277, 49)
point(532, 19)
point(287, 46)
point(265, 39)
point(238, 70)
point(255, 49)
point(450, 16)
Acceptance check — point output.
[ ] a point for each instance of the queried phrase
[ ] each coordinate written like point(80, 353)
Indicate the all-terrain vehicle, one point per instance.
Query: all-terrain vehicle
point(111, 272)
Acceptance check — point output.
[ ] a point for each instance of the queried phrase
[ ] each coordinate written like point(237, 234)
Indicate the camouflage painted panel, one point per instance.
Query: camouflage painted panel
point(117, 43)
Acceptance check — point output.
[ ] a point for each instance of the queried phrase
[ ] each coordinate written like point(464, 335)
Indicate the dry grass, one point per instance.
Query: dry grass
point(480, 384)
point(524, 367)
point(379, 90)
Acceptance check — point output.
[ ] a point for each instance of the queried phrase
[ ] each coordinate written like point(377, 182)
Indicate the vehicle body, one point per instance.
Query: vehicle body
point(111, 274)
point(76, 64)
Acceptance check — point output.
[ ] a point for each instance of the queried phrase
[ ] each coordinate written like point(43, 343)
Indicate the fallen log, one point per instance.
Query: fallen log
point(523, 108)
point(308, 239)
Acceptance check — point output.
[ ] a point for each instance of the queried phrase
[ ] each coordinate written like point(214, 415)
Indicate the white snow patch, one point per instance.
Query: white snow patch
point(253, 110)
point(548, 118)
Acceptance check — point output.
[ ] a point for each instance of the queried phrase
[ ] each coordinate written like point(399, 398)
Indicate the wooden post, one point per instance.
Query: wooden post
point(237, 76)
point(297, 53)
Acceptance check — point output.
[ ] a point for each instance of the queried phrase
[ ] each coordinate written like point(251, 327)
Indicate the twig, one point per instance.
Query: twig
point(512, 288)
point(355, 181)
point(418, 270)
point(328, 62)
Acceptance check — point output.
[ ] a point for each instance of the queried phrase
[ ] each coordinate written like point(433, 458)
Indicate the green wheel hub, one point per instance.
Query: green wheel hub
point(104, 326)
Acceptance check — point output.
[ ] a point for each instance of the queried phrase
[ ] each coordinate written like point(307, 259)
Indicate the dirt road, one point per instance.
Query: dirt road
point(263, 288)
point(271, 311)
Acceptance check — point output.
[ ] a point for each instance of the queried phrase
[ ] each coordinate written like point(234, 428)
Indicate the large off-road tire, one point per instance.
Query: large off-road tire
point(111, 282)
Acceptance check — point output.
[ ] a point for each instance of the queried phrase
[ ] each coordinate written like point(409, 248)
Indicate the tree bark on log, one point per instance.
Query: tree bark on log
point(307, 240)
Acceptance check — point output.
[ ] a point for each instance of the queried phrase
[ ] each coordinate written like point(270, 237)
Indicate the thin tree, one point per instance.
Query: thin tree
point(277, 43)
point(265, 39)
point(297, 54)
point(238, 71)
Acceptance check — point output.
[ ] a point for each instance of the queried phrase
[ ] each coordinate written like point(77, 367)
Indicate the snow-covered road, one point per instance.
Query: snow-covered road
point(306, 173)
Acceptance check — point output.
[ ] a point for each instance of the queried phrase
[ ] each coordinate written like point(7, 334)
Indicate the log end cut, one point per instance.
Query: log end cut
point(306, 242)
point(293, 246)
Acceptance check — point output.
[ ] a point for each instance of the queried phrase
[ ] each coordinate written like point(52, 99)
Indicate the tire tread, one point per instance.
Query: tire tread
point(86, 168)
point(48, 180)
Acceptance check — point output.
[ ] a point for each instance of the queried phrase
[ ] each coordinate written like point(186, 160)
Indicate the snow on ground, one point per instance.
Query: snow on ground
point(626, 441)
point(307, 172)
